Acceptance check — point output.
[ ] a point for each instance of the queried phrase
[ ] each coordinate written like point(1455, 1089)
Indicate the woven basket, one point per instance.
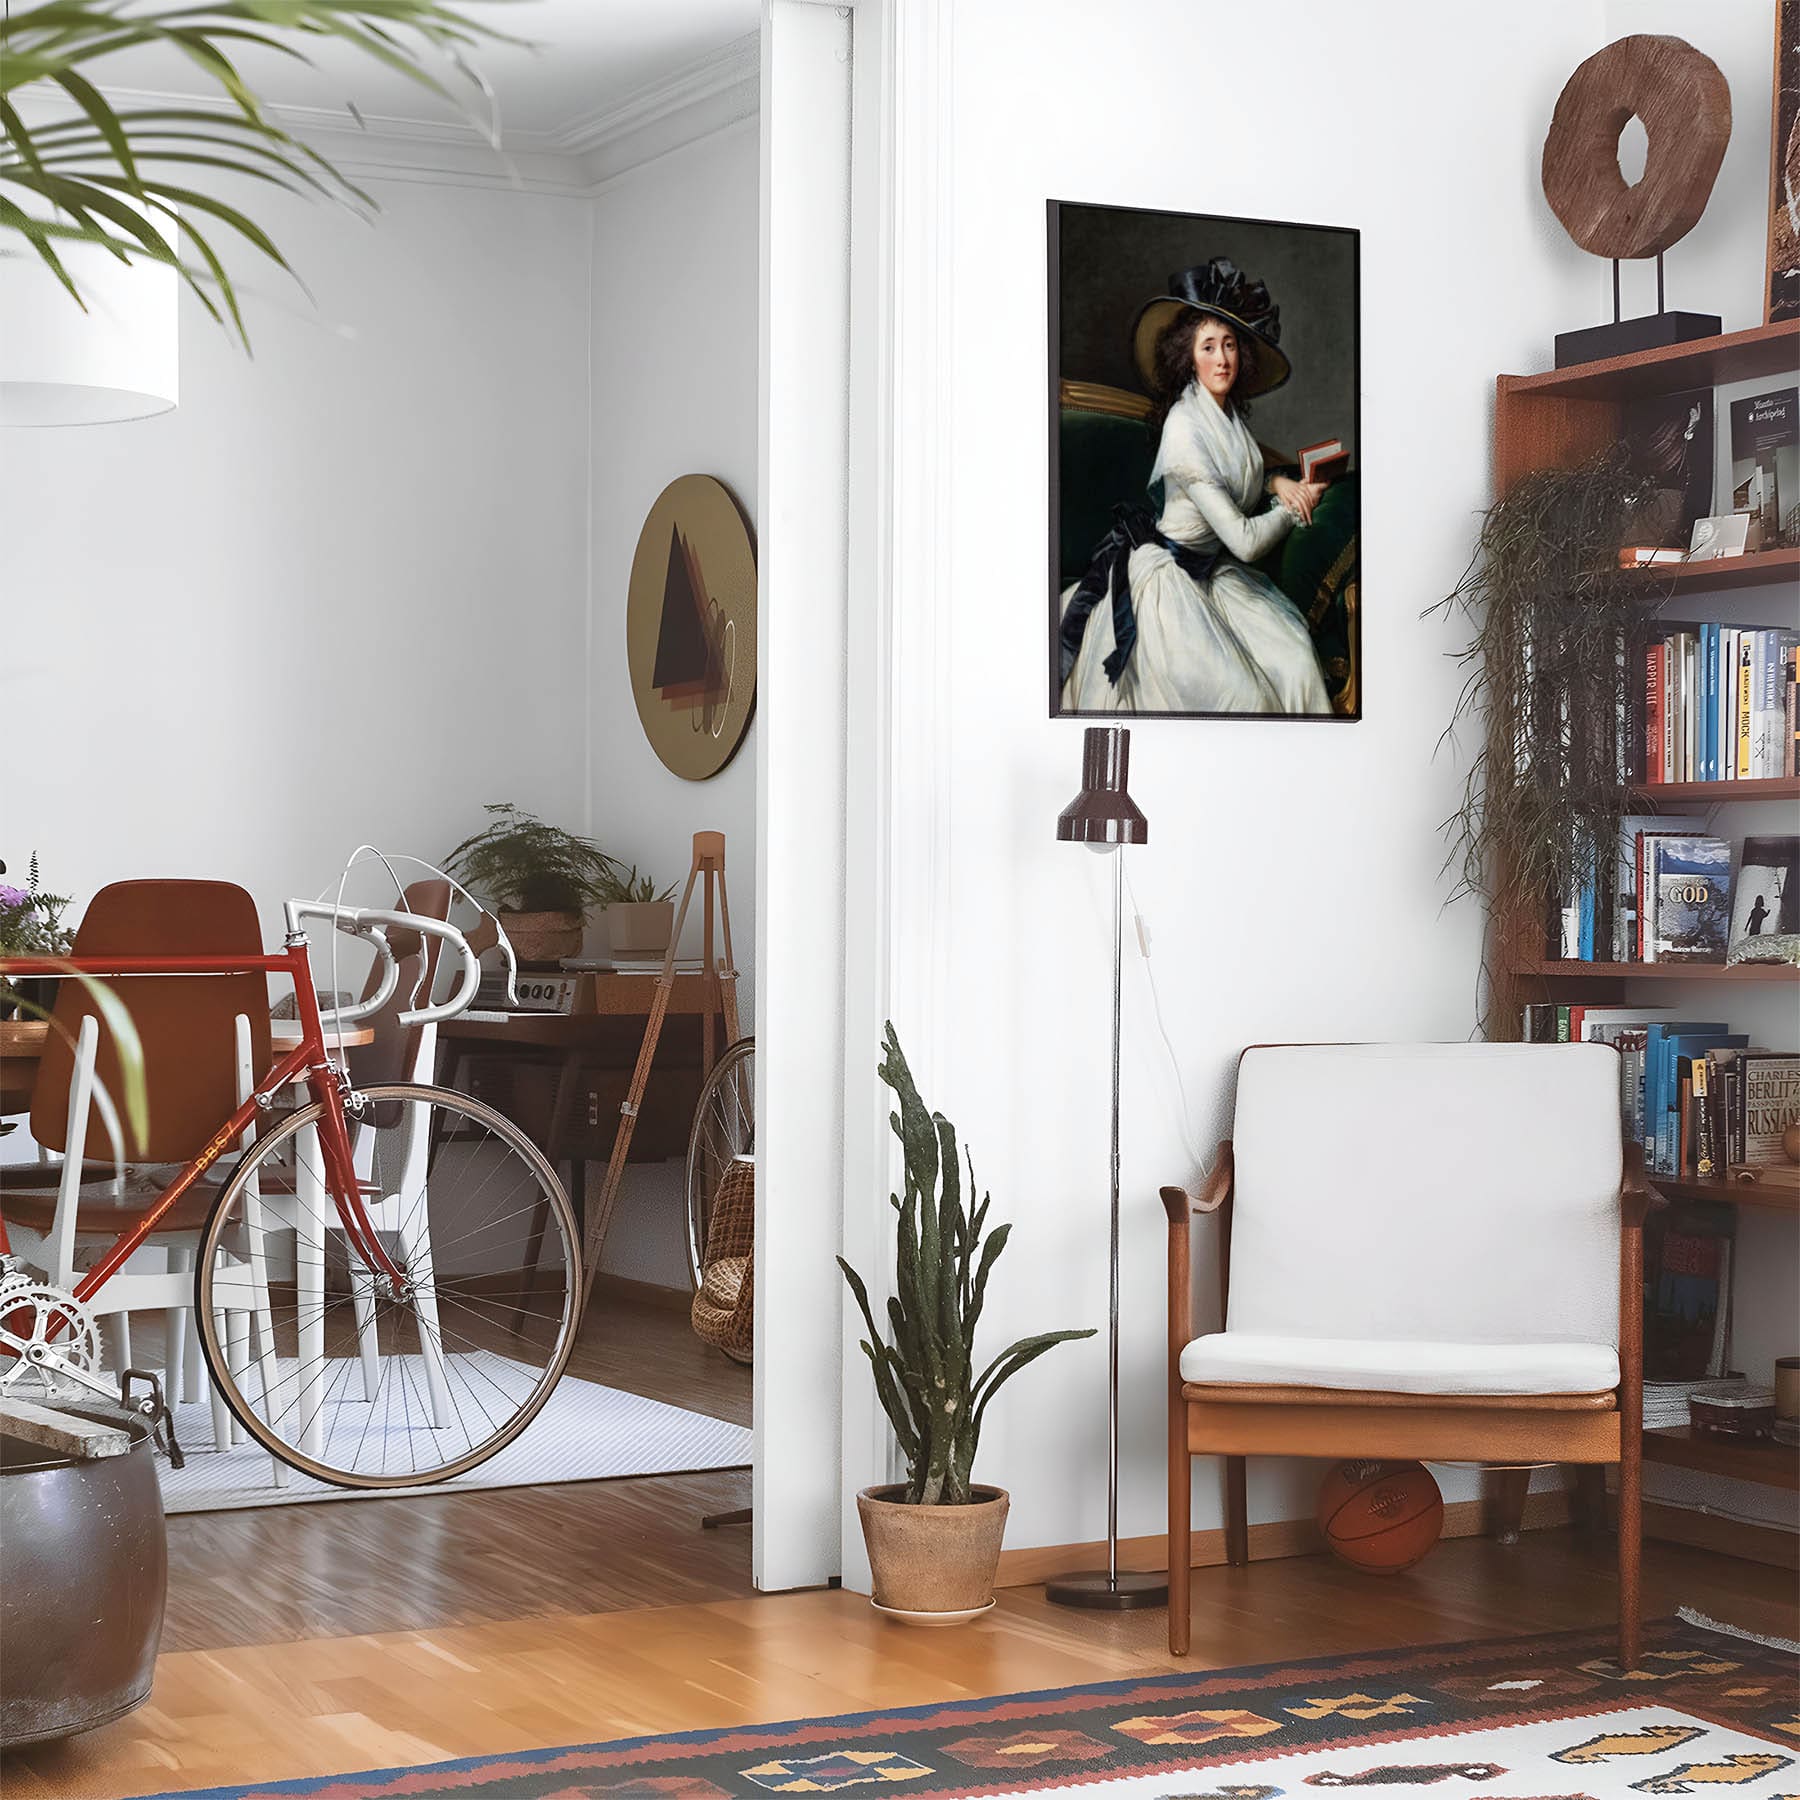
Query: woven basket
point(722, 1312)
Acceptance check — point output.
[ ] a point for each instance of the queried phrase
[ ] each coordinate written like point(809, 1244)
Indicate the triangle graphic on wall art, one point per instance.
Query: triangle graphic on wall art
point(687, 668)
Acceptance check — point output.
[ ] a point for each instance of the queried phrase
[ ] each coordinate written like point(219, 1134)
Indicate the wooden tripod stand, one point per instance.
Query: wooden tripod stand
point(720, 977)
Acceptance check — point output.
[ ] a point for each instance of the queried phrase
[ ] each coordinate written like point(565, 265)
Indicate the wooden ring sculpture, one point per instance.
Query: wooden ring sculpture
point(1685, 104)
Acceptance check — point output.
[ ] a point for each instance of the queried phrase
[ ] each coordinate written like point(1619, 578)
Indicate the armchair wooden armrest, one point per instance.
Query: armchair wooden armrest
point(1180, 1205)
point(1636, 1196)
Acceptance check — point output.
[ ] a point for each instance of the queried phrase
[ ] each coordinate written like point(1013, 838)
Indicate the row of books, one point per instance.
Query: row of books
point(1678, 894)
point(1699, 1097)
point(1688, 1252)
point(1719, 704)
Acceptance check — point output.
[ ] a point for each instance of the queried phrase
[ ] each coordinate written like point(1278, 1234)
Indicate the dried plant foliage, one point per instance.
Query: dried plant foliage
point(1549, 682)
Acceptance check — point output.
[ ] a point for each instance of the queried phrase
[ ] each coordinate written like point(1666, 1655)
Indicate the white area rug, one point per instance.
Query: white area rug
point(586, 1432)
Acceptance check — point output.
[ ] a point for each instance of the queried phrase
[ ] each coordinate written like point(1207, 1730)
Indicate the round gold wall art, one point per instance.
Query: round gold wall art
point(690, 626)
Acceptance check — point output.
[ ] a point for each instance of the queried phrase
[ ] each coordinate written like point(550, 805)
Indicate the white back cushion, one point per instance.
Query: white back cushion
point(1457, 1192)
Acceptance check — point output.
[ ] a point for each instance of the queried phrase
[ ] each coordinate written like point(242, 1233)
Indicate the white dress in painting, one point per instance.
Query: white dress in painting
point(1233, 643)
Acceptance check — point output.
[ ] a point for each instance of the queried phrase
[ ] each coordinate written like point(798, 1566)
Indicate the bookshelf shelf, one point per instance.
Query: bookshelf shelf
point(1777, 787)
point(1758, 568)
point(1770, 1198)
point(1656, 971)
point(1764, 350)
point(1758, 1460)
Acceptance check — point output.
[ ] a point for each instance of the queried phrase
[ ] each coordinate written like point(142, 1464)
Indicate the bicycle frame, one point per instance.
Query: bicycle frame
point(309, 1060)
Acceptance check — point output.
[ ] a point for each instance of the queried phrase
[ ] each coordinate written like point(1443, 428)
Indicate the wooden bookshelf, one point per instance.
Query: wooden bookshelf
point(1550, 970)
point(1762, 351)
point(1558, 420)
point(1713, 793)
point(1759, 568)
point(1772, 1197)
point(1744, 1459)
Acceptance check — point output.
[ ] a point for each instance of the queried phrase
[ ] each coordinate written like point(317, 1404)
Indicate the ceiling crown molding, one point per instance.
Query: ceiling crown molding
point(722, 75)
point(706, 96)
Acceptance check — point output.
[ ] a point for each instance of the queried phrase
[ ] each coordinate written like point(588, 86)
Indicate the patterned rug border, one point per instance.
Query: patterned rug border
point(1198, 1684)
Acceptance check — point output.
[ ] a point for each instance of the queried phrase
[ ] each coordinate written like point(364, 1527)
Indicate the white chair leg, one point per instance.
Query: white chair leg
point(309, 1270)
point(237, 1359)
point(261, 1318)
point(222, 1421)
point(175, 1329)
point(115, 1334)
point(368, 1344)
point(416, 1255)
point(193, 1359)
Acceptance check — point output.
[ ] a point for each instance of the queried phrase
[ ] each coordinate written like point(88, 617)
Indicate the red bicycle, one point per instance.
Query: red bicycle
point(388, 1281)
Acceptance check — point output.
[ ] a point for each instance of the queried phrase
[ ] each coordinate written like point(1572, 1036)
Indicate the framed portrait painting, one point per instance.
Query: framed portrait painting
point(1204, 461)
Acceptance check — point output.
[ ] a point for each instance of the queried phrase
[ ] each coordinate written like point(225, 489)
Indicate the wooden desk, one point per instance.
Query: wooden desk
point(561, 1077)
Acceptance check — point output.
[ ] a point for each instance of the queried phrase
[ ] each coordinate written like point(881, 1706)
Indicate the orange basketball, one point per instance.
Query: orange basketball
point(1380, 1517)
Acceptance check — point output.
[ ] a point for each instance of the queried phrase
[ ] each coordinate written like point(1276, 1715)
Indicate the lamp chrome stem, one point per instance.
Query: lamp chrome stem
point(1112, 1299)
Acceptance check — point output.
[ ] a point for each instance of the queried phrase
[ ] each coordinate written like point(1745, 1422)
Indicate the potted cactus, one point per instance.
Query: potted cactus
point(934, 1539)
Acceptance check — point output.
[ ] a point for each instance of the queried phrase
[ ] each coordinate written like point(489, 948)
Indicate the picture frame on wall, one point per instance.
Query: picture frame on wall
point(1204, 429)
point(1782, 299)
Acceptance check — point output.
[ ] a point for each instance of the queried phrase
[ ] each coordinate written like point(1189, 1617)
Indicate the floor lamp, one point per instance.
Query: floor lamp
point(1103, 817)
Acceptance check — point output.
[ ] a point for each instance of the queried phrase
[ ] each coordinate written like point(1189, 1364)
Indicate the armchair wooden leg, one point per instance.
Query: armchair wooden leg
point(1181, 1559)
point(1506, 1501)
point(1630, 1546)
point(1237, 1513)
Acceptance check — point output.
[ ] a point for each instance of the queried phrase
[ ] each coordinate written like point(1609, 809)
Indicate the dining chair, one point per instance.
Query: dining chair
point(203, 1041)
point(1425, 1251)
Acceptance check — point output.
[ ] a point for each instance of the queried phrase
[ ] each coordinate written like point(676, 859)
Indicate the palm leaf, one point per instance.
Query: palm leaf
point(55, 42)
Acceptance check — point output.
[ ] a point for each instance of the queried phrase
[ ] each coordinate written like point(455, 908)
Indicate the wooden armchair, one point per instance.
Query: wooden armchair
point(1428, 1251)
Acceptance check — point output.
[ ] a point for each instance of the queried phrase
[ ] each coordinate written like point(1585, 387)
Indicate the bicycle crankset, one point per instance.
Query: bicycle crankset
point(46, 1333)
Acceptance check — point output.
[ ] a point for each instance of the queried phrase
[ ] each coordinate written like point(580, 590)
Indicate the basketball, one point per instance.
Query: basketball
point(1380, 1517)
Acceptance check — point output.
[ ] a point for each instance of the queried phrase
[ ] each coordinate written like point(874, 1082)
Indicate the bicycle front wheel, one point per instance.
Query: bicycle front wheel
point(348, 1375)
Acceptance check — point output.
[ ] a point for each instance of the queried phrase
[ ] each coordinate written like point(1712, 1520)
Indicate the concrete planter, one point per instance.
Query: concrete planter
point(933, 1564)
point(542, 939)
point(640, 928)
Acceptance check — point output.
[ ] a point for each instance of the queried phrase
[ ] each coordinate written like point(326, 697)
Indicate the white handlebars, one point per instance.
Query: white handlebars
point(374, 924)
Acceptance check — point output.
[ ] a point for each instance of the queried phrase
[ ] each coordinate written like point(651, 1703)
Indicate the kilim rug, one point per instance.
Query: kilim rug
point(1542, 1718)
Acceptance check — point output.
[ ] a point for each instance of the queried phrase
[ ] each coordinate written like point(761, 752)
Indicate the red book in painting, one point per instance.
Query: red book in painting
point(1324, 461)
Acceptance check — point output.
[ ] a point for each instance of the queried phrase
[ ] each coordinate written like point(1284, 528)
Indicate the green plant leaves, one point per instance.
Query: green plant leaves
point(941, 1270)
point(58, 180)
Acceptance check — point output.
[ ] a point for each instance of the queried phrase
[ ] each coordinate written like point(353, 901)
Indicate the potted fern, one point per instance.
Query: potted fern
point(542, 878)
point(934, 1539)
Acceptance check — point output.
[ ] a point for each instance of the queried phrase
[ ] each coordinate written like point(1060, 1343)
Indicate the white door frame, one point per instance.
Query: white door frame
point(852, 814)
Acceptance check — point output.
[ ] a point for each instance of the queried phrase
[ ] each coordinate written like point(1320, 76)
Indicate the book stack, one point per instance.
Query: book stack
point(1699, 1097)
point(1718, 704)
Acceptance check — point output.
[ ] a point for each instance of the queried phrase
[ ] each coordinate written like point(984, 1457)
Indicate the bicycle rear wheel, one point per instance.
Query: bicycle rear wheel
point(724, 1127)
point(333, 1367)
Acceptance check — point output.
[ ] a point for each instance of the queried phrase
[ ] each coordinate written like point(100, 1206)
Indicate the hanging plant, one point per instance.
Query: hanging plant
point(1550, 680)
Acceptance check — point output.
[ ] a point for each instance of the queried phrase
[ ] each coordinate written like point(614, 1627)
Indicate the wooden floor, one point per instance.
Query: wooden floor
point(337, 1704)
point(335, 1568)
point(315, 1640)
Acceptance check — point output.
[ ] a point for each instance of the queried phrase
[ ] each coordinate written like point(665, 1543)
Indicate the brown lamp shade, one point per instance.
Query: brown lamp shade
point(1103, 812)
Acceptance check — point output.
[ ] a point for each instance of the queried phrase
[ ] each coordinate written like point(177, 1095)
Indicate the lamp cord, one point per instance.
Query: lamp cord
point(1184, 1113)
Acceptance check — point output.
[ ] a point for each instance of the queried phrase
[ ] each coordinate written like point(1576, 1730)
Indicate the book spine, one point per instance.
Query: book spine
point(1684, 1124)
point(1790, 748)
point(1562, 1024)
point(1727, 743)
point(1705, 1163)
point(1759, 703)
point(1709, 718)
point(1690, 705)
point(1653, 715)
point(1671, 701)
point(1742, 752)
point(1647, 903)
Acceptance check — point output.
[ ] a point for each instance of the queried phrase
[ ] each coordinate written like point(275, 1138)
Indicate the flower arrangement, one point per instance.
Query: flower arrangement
point(30, 925)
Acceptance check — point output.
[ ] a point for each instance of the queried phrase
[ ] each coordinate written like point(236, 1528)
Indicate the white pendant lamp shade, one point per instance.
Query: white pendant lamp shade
point(61, 366)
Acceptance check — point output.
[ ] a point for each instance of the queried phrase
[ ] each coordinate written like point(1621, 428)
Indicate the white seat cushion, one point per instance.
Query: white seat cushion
point(1397, 1366)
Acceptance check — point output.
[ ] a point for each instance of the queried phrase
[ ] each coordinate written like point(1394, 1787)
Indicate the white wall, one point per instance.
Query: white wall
point(1292, 879)
point(674, 340)
point(378, 524)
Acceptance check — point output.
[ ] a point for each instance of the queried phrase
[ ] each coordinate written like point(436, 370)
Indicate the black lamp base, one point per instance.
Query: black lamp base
point(1095, 1590)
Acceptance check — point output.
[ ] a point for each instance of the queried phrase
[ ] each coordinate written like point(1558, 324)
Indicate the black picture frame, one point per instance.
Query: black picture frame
point(1099, 315)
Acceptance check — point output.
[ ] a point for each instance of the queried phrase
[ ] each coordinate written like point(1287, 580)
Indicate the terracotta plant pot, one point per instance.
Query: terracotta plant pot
point(640, 928)
point(542, 939)
point(933, 1560)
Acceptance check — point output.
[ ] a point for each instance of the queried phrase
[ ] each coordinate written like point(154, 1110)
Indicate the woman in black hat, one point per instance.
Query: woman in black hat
point(1190, 627)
